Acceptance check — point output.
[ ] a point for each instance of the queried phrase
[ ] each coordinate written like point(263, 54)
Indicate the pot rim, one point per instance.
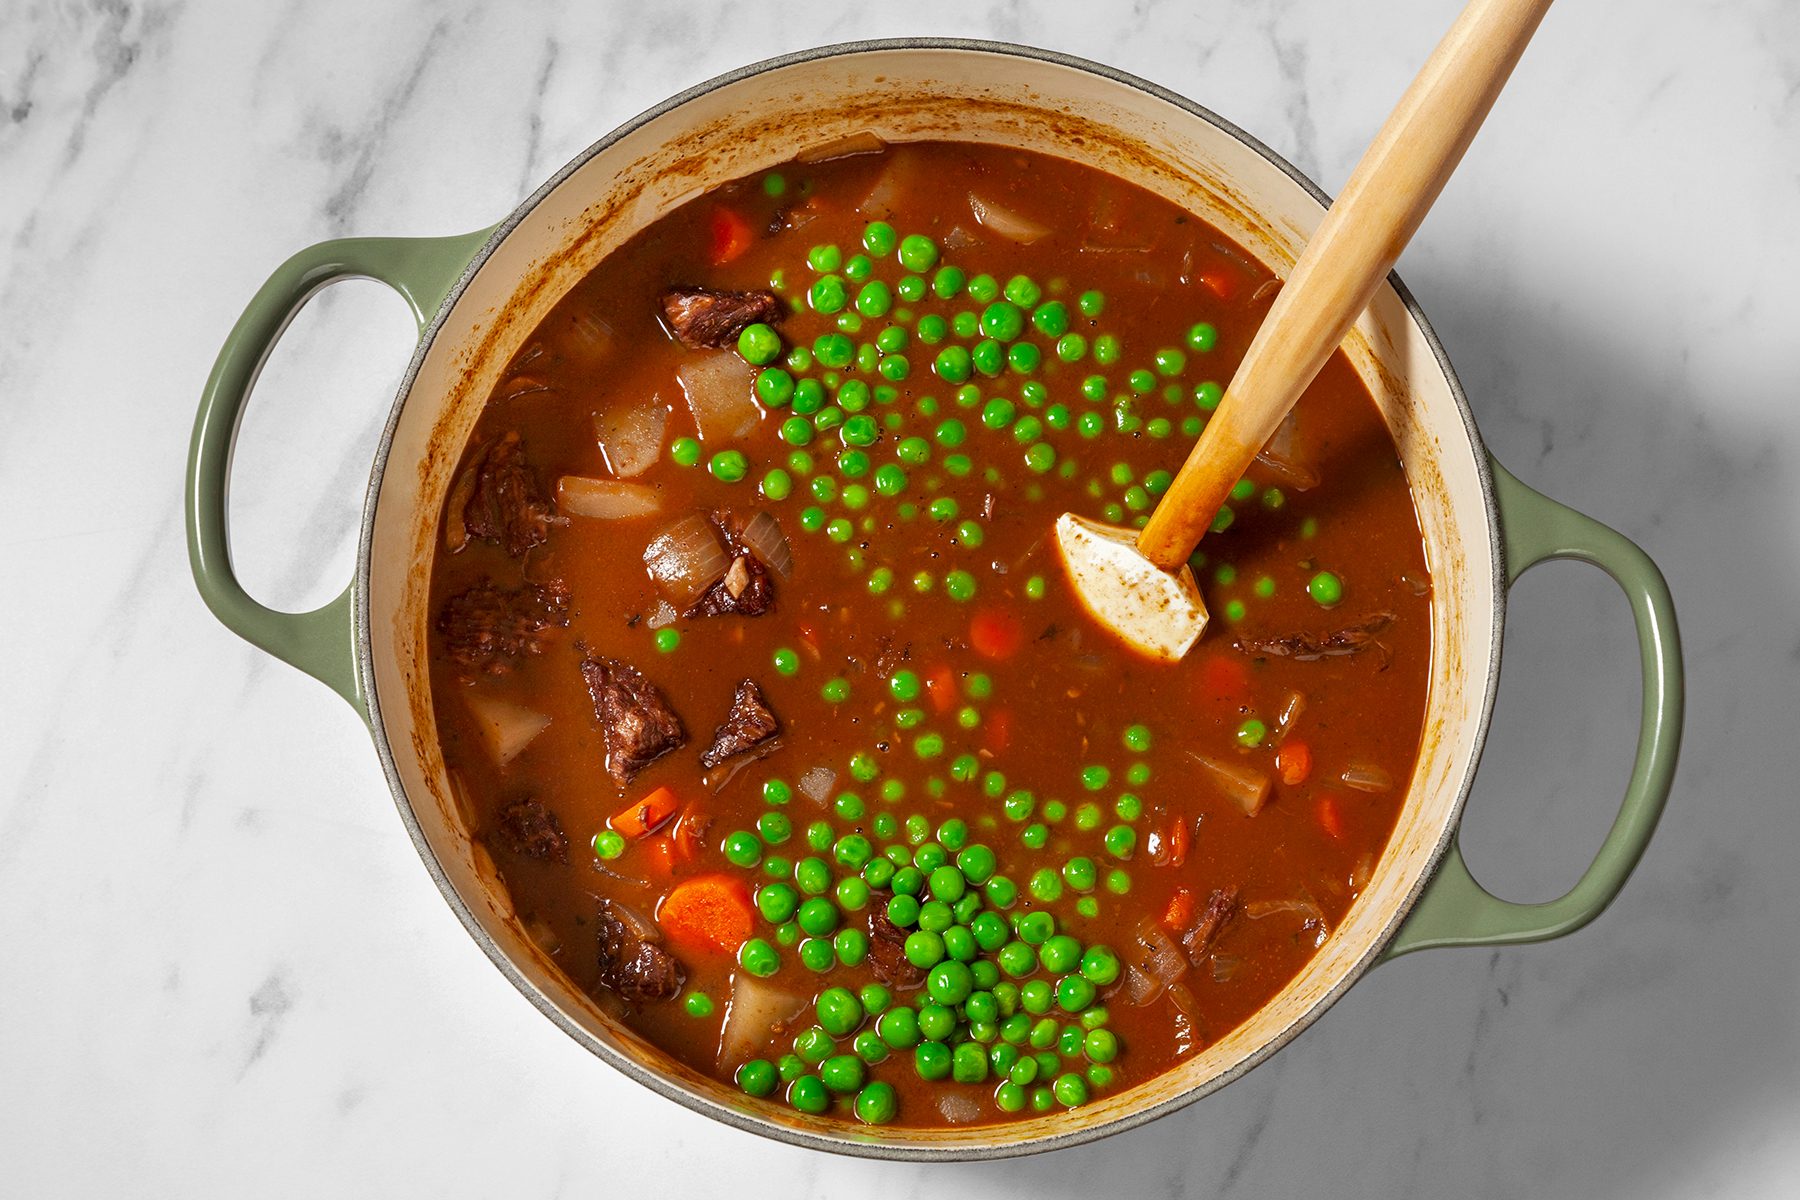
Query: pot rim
point(663, 1084)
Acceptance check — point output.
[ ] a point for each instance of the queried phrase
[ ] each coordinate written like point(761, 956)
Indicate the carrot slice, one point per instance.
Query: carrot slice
point(1180, 912)
point(996, 633)
point(1224, 677)
point(940, 685)
point(642, 816)
point(997, 730)
point(1293, 762)
point(1219, 282)
point(708, 912)
point(1331, 819)
point(731, 236)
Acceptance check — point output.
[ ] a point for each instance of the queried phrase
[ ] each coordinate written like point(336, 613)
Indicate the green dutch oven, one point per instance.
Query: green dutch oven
point(477, 296)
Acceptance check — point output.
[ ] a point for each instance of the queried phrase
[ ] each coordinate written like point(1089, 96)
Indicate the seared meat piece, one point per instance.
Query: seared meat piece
point(490, 629)
point(635, 716)
point(632, 964)
point(706, 319)
point(1301, 647)
point(887, 947)
point(749, 724)
point(745, 591)
point(526, 827)
point(1221, 906)
point(508, 505)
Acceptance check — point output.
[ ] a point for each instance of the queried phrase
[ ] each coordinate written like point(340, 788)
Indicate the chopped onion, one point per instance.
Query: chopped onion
point(642, 927)
point(1244, 784)
point(686, 559)
point(756, 1007)
point(591, 335)
point(959, 1107)
point(1140, 989)
point(663, 614)
point(1224, 966)
point(1360, 873)
point(605, 499)
point(764, 537)
point(542, 936)
point(456, 526)
point(506, 728)
point(1291, 708)
point(1005, 222)
point(1157, 958)
point(1307, 908)
point(520, 385)
point(631, 439)
point(1182, 997)
point(817, 783)
point(895, 181)
point(1281, 457)
point(720, 391)
point(844, 147)
point(1367, 777)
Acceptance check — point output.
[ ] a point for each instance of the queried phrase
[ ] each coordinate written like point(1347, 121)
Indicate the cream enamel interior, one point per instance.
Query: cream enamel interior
point(759, 119)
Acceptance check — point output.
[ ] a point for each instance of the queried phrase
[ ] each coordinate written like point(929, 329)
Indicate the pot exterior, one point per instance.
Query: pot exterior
point(763, 116)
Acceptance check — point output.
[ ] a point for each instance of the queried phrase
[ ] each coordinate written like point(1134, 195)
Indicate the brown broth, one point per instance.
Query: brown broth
point(1063, 700)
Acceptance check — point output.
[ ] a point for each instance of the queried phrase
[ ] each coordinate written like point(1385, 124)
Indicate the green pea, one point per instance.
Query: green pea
point(952, 364)
point(1001, 892)
point(742, 849)
point(918, 252)
point(934, 915)
point(959, 585)
point(759, 958)
point(827, 295)
point(879, 238)
point(1169, 361)
point(1002, 320)
point(834, 350)
point(878, 872)
point(858, 268)
point(976, 864)
point(839, 1012)
point(758, 344)
point(824, 258)
point(1045, 885)
point(932, 1060)
point(812, 876)
point(874, 299)
point(1074, 992)
point(1101, 966)
point(1207, 395)
point(877, 1104)
point(959, 944)
point(758, 1077)
point(898, 1027)
point(1035, 928)
point(1121, 841)
point(1034, 836)
point(609, 844)
point(1326, 589)
point(1252, 733)
point(1091, 304)
point(808, 1095)
point(923, 948)
point(1107, 350)
point(1202, 337)
point(903, 908)
point(1071, 347)
point(843, 1073)
point(818, 954)
point(946, 883)
point(1080, 873)
point(936, 1022)
point(948, 982)
point(685, 451)
point(948, 282)
point(1118, 882)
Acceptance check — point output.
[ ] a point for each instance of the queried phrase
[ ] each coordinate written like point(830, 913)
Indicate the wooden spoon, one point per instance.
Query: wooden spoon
point(1140, 585)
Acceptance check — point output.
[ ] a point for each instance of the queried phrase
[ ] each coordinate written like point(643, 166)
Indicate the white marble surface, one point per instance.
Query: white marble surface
point(225, 972)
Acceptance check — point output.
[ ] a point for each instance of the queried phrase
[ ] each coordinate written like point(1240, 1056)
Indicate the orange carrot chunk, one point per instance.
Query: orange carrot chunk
point(1180, 913)
point(1331, 819)
point(641, 816)
point(996, 633)
point(731, 236)
point(1293, 762)
point(708, 912)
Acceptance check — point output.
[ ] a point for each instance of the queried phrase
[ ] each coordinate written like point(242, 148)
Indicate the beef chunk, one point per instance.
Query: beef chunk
point(706, 319)
point(489, 629)
point(749, 724)
point(635, 716)
point(1221, 906)
point(745, 591)
point(508, 505)
point(1302, 647)
point(527, 828)
point(631, 963)
point(887, 947)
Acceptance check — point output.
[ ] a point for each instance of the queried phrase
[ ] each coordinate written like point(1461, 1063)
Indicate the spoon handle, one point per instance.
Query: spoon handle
point(1346, 260)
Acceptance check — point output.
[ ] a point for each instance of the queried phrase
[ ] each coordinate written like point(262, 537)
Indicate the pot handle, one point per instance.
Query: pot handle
point(321, 642)
point(1454, 910)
